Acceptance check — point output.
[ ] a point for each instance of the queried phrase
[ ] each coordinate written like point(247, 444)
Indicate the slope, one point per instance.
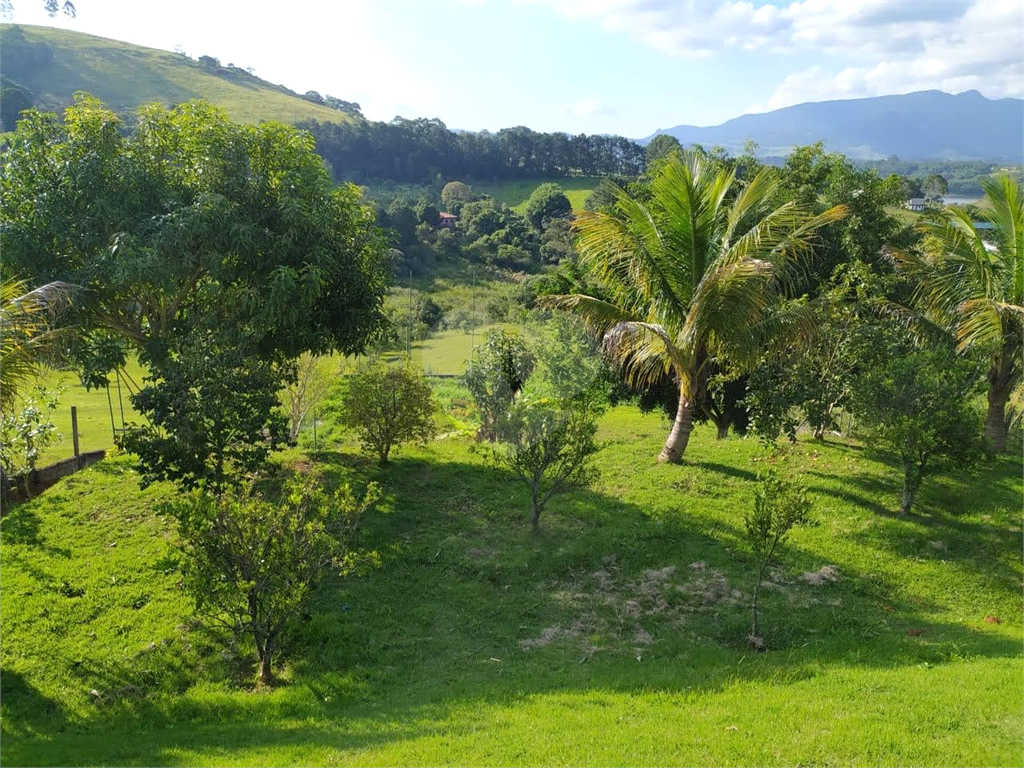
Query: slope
point(53, 64)
point(616, 637)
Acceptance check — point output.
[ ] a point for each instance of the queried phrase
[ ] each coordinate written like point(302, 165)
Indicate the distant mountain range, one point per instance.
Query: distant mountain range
point(922, 125)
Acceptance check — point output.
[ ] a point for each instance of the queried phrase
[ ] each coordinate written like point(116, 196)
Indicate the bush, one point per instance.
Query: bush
point(26, 433)
point(389, 406)
point(251, 564)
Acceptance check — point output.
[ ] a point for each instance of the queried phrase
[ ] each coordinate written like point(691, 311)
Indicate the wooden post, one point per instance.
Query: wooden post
point(74, 428)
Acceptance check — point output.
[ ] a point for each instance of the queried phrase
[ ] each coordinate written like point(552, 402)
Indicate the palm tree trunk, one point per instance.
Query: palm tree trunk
point(675, 446)
point(995, 421)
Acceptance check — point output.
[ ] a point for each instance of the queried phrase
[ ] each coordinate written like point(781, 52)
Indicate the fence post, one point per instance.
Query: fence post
point(74, 428)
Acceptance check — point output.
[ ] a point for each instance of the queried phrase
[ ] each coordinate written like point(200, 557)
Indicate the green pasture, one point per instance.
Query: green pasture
point(515, 192)
point(54, 63)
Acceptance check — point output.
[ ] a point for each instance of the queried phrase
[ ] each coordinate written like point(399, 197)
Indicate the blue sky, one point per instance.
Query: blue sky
point(596, 66)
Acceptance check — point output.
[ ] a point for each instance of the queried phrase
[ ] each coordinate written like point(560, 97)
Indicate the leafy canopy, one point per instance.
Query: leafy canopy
point(388, 407)
point(191, 217)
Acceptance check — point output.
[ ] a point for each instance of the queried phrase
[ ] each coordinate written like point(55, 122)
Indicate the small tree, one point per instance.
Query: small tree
point(778, 505)
point(389, 406)
point(496, 377)
point(547, 449)
point(313, 378)
point(251, 564)
point(919, 403)
point(455, 194)
point(571, 364)
point(935, 187)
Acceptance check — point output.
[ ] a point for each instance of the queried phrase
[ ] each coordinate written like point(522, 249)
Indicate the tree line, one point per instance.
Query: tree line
point(418, 151)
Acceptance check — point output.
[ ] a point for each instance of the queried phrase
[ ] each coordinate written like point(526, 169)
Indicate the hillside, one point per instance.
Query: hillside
point(921, 125)
point(615, 637)
point(54, 63)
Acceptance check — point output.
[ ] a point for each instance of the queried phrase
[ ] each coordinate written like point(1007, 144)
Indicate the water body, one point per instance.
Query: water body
point(961, 199)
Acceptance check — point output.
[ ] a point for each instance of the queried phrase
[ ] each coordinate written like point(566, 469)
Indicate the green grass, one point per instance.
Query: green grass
point(94, 427)
point(474, 642)
point(445, 352)
point(515, 192)
point(54, 63)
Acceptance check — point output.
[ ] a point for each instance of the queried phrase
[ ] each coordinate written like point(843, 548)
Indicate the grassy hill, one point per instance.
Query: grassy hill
point(54, 63)
point(615, 637)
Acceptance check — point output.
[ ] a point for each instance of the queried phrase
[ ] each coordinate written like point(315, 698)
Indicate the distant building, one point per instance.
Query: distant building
point(916, 203)
point(448, 220)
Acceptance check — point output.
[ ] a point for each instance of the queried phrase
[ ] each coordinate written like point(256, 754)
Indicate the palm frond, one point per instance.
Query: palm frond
point(26, 332)
point(600, 316)
point(643, 352)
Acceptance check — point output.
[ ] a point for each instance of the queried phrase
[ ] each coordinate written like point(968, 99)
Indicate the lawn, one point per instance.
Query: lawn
point(444, 353)
point(515, 192)
point(616, 636)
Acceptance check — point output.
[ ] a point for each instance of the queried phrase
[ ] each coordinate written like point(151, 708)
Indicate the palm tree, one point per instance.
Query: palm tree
point(26, 332)
point(973, 288)
point(690, 274)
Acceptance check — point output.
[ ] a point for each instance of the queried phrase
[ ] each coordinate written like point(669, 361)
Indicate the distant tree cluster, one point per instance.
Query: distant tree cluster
point(485, 231)
point(416, 151)
point(962, 177)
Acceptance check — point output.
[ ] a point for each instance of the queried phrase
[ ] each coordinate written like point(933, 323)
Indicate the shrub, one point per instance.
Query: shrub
point(389, 406)
point(251, 564)
point(26, 433)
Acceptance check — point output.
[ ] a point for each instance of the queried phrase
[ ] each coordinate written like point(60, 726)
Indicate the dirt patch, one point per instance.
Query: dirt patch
point(547, 636)
point(660, 574)
point(611, 605)
point(604, 580)
point(825, 575)
point(642, 637)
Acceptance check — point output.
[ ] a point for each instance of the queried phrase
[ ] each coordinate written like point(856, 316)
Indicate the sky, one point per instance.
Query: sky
point(626, 67)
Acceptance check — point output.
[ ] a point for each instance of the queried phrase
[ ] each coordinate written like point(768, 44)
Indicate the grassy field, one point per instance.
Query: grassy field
point(446, 352)
point(54, 63)
point(616, 636)
point(515, 192)
point(94, 427)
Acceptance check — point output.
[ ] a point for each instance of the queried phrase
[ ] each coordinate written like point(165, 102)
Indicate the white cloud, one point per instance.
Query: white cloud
point(876, 46)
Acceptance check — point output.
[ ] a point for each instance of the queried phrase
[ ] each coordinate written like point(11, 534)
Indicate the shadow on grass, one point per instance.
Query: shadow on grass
point(461, 584)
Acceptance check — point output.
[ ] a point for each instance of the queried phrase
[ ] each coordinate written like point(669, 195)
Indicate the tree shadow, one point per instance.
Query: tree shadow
point(725, 469)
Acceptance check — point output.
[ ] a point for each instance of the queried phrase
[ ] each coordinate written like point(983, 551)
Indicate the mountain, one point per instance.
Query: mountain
point(54, 63)
point(923, 125)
